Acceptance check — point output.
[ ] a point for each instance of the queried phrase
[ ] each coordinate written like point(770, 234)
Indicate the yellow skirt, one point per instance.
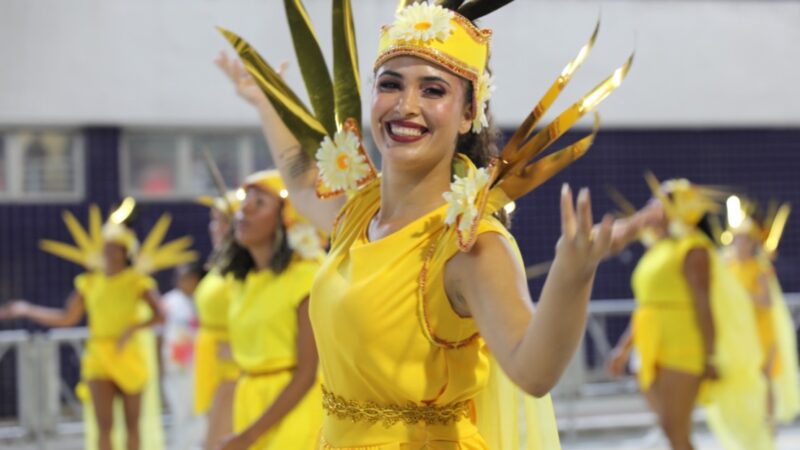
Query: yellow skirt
point(209, 370)
point(669, 337)
point(126, 367)
point(298, 430)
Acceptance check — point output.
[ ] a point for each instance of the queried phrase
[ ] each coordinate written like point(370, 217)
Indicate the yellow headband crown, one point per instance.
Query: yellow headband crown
point(441, 36)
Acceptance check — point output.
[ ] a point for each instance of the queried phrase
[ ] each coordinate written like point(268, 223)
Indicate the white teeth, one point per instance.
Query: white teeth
point(404, 131)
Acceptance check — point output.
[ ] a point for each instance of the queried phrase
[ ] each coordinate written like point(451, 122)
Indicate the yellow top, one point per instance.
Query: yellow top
point(265, 313)
point(387, 334)
point(659, 278)
point(212, 297)
point(112, 302)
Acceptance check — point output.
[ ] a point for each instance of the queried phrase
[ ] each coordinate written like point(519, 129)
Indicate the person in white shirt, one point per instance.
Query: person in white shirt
point(177, 346)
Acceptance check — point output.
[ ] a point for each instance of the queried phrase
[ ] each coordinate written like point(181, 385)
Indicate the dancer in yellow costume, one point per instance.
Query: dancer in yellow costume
point(215, 371)
point(274, 258)
point(754, 246)
point(693, 327)
point(423, 277)
point(120, 301)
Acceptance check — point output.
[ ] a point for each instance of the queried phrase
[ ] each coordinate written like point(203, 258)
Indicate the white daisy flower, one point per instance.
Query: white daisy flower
point(422, 22)
point(462, 197)
point(304, 239)
point(483, 92)
point(340, 164)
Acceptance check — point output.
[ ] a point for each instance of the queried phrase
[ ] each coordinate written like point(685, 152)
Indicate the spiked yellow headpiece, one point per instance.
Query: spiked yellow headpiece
point(767, 232)
point(685, 203)
point(151, 257)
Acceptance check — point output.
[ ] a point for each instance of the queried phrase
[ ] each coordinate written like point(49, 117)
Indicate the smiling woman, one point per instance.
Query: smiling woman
point(421, 280)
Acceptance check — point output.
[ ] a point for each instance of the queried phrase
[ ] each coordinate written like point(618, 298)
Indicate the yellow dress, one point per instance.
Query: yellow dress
point(402, 370)
point(212, 297)
point(666, 334)
point(264, 345)
point(775, 329)
point(113, 304)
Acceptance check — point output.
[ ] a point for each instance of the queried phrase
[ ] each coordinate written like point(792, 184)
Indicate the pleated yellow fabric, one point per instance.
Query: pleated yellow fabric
point(212, 297)
point(263, 339)
point(666, 331)
point(775, 328)
point(389, 341)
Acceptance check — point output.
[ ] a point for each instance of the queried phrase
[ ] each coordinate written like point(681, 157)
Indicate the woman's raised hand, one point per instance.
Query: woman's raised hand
point(582, 244)
point(246, 86)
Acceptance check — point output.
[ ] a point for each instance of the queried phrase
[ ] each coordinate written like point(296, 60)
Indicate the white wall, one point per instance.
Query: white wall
point(148, 62)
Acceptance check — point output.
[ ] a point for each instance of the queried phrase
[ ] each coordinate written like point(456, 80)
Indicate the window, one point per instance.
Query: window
point(170, 166)
point(42, 165)
point(152, 164)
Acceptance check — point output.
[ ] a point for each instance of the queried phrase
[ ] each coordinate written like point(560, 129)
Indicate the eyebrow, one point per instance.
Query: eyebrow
point(427, 78)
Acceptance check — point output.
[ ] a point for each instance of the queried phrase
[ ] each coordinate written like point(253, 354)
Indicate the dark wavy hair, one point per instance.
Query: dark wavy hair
point(482, 148)
point(235, 259)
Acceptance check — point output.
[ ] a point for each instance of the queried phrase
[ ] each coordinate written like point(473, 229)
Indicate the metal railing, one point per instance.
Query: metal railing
point(45, 401)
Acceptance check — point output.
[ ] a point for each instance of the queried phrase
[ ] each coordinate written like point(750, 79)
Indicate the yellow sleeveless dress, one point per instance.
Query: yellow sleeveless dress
point(775, 328)
point(112, 305)
point(212, 298)
point(263, 339)
point(667, 335)
point(402, 370)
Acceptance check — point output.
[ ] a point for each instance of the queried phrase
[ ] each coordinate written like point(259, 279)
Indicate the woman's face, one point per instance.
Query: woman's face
point(418, 111)
point(218, 226)
point(257, 219)
point(115, 255)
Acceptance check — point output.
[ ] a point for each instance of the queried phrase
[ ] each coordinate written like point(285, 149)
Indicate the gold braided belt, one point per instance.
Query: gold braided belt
point(389, 415)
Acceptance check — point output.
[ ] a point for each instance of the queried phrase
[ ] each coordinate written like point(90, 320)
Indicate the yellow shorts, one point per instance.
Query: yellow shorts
point(667, 337)
point(125, 366)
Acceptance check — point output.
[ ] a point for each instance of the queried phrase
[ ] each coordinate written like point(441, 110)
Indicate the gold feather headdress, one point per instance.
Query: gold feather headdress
point(148, 258)
point(742, 218)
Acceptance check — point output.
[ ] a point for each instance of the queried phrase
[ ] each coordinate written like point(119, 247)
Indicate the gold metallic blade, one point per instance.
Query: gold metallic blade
point(312, 64)
point(156, 235)
point(65, 251)
point(516, 185)
point(549, 97)
point(655, 189)
point(777, 228)
point(216, 176)
point(303, 125)
point(123, 211)
point(95, 227)
point(624, 205)
point(538, 270)
point(541, 140)
point(346, 77)
point(79, 235)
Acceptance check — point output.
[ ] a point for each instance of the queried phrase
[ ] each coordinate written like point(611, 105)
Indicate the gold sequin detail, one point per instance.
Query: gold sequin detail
point(389, 415)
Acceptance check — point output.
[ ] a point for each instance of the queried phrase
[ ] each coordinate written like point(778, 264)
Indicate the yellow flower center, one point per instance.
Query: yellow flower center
point(342, 161)
point(422, 26)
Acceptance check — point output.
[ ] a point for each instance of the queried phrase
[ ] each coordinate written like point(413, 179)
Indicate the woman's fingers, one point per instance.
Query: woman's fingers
point(568, 225)
point(602, 236)
point(584, 212)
